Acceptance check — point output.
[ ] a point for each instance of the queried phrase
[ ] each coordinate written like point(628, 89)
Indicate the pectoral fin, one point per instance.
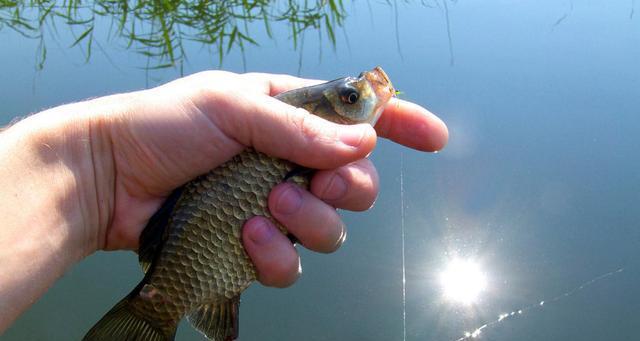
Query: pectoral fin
point(299, 171)
point(152, 237)
point(218, 322)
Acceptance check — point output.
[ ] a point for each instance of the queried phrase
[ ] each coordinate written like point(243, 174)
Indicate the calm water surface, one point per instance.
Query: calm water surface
point(539, 186)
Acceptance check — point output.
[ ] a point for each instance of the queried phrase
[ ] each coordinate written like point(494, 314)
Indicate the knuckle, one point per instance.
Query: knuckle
point(286, 201)
point(367, 182)
point(314, 129)
point(306, 131)
point(306, 126)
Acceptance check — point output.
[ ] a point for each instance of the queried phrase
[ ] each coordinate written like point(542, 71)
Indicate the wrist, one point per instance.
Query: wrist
point(63, 157)
point(36, 234)
point(57, 180)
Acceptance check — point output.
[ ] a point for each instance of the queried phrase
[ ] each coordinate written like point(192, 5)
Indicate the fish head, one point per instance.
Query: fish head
point(358, 99)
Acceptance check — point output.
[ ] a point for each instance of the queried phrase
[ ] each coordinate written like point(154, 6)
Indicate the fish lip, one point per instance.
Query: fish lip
point(381, 74)
point(383, 88)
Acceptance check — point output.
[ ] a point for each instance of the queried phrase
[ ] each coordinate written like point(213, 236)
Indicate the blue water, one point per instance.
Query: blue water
point(540, 182)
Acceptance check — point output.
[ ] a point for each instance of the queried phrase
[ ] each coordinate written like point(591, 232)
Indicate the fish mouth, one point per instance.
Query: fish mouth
point(381, 85)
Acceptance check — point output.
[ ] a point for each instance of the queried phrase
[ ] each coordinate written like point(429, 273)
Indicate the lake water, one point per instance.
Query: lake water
point(539, 185)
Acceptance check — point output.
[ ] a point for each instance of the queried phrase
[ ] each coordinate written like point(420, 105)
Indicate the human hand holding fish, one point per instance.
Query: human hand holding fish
point(97, 171)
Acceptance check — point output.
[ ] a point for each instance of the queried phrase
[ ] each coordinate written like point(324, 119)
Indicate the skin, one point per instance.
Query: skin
point(87, 176)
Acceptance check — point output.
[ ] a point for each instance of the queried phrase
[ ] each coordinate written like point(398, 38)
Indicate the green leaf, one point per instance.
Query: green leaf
point(42, 56)
point(44, 15)
point(247, 38)
point(332, 37)
point(333, 6)
point(267, 26)
point(82, 36)
point(232, 38)
point(162, 66)
point(79, 22)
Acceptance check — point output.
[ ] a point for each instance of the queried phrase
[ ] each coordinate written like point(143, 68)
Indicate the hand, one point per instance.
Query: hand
point(222, 113)
point(91, 174)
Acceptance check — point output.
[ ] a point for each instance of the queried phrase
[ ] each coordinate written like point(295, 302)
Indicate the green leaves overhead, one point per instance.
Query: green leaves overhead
point(159, 29)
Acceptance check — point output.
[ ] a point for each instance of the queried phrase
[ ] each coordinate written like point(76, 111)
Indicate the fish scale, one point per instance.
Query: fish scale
point(225, 198)
point(192, 250)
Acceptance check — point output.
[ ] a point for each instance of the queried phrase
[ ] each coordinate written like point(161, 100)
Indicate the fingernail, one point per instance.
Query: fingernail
point(343, 237)
point(353, 135)
point(337, 188)
point(261, 233)
point(289, 201)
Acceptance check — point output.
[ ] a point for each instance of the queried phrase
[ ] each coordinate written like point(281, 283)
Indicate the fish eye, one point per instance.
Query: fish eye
point(349, 95)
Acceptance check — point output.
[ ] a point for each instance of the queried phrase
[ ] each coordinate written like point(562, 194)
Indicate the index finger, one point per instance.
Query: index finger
point(412, 125)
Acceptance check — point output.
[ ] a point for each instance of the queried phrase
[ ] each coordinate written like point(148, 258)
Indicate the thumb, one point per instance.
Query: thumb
point(281, 130)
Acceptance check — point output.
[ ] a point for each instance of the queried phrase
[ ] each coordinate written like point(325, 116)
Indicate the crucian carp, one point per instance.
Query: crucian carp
point(191, 249)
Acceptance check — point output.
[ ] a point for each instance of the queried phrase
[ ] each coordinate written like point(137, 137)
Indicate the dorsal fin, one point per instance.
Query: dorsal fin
point(153, 235)
point(218, 322)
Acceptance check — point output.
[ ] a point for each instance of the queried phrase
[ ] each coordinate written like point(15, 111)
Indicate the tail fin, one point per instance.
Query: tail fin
point(121, 323)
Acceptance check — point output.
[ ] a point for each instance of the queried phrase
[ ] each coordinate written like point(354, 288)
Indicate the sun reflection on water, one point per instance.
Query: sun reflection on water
point(463, 281)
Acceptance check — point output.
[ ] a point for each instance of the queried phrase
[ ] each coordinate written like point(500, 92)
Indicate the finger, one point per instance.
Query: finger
point(413, 126)
point(276, 260)
point(129, 227)
point(403, 122)
point(286, 132)
point(352, 187)
point(315, 224)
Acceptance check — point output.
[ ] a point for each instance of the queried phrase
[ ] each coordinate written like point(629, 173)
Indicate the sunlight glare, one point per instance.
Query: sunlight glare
point(462, 281)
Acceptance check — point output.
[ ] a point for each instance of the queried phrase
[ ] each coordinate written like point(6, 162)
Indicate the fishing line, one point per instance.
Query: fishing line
point(537, 306)
point(404, 277)
point(396, 22)
point(448, 22)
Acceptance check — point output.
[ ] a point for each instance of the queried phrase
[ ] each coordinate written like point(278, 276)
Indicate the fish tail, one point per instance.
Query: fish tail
point(122, 323)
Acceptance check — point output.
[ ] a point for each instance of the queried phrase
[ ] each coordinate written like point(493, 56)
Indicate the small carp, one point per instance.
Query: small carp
point(191, 249)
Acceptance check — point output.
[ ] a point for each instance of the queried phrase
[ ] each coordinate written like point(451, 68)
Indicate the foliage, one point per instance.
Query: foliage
point(159, 29)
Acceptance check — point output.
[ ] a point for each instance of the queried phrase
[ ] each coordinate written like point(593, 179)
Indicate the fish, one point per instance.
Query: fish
point(191, 249)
